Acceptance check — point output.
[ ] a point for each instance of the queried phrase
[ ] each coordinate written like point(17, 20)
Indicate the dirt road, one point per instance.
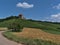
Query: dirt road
point(5, 41)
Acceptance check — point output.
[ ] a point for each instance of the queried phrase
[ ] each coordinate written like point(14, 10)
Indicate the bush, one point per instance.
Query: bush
point(15, 27)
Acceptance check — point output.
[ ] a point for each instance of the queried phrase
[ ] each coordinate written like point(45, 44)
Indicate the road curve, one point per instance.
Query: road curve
point(5, 41)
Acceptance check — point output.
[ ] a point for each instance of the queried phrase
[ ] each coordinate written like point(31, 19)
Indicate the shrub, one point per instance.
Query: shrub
point(15, 27)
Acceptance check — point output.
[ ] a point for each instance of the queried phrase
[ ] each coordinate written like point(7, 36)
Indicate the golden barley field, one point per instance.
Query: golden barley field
point(38, 34)
point(3, 28)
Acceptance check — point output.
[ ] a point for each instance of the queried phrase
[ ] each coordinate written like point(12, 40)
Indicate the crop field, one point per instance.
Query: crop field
point(38, 34)
point(3, 29)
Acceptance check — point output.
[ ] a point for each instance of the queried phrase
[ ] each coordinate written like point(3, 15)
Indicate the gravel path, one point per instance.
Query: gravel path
point(5, 41)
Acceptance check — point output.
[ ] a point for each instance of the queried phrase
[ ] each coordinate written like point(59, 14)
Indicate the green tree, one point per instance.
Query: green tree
point(15, 27)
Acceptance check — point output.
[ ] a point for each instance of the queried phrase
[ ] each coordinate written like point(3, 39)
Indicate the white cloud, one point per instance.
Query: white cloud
point(24, 5)
point(53, 18)
point(57, 6)
point(57, 16)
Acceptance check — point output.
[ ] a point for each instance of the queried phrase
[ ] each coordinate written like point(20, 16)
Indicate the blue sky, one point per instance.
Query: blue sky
point(48, 10)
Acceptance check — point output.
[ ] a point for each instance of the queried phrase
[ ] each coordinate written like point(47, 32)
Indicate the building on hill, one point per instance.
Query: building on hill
point(21, 16)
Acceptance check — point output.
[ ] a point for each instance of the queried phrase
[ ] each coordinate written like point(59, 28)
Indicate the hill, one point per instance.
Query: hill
point(50, 27)
point(34, 32)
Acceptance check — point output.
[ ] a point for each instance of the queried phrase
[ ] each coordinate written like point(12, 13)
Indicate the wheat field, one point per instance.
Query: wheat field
point(3, 28)
point(38, 34)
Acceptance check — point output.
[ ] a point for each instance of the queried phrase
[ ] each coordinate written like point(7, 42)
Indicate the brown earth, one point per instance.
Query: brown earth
point(38, 34)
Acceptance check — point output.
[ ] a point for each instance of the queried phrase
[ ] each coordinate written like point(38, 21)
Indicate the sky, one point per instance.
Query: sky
point(45, 10)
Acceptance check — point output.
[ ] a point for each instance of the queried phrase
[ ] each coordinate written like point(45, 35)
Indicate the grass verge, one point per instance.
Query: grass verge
point(27, 41)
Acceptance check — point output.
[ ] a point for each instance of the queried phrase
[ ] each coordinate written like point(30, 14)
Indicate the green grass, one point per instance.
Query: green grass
point(45, 26)
point(27, 41)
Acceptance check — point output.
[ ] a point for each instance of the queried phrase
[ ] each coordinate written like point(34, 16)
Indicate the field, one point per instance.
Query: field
point(32, 36)
point(3, 29)
point(38, 34)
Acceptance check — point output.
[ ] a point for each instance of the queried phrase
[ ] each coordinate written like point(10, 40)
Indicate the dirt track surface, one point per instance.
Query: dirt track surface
point(5, 41)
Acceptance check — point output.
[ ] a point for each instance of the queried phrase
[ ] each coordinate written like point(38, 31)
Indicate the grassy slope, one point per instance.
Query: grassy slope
point(48, 27)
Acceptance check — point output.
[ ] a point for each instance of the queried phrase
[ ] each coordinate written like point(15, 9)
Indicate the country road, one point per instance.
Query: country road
point(5, 41)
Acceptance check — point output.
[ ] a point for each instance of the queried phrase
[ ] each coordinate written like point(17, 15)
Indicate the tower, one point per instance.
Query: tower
point(21, 16)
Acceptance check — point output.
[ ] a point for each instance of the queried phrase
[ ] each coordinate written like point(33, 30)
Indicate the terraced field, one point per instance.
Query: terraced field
point(38, 34)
